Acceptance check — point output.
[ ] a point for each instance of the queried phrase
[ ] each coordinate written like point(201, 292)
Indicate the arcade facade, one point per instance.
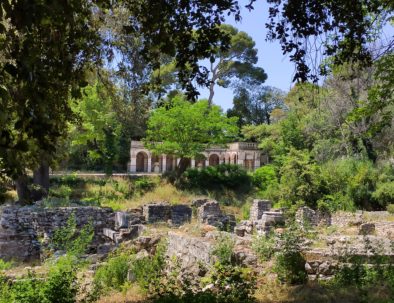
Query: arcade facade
point(245, 154)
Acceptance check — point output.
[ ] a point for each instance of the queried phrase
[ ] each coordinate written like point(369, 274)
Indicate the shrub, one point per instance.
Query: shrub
point(63, 191)
point(5, 265)
point(300, 179)
point(148, 270)
point(232, 284)
point(264, 246)
point(265, 176)
point(144, 184)
point(289, 262)
point(384, 193)
point(224, 249)
point(61, 283)
point(112, 274)
point(59, 286)
point(29, 289)
point(390, 208)
point(71, 240)
point(217, 177)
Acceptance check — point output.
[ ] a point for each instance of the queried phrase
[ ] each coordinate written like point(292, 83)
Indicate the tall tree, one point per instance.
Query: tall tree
point(235, 66)
point(46, 48)
point(254, 106)
point(312, 31)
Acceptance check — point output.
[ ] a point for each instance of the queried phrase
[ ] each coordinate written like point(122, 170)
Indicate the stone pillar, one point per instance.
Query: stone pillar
point(133, 163)
point(149, 163)
point(193, 163)
point(206, 162)
point(177, 161)
point(258, 208)
point(164, 164)
point(256, 163)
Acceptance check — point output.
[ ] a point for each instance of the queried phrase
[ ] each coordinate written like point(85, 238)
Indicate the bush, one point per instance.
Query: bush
point(63, 191)
point(300, 179)
point(224, 249)
point(113, 274)
point(5, 265)
point(289, 262)
point(390, 208)
point(352, 180)
point(384, 194)
point(144, 184)
point(69, 239)
point(264, 246)
point(265, 176)
point(148, 271)
point(232, 284)
point(60, 285)
point(217, 177)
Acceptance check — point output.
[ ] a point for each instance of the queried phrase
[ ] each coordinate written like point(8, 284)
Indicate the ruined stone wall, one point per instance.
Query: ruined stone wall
point(22, 229)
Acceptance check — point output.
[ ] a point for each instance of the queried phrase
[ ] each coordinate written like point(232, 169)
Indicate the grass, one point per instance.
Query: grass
point(132, 294)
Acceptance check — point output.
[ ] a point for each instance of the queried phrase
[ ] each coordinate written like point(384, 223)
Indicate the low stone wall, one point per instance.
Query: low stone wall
point(23, 228)
point(164, 212)
point(344, 219)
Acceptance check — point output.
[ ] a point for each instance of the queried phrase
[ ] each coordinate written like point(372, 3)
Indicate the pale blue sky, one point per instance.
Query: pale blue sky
point(279, 69)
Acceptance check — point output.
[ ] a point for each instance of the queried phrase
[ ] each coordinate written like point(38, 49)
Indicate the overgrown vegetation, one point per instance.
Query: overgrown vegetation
point(60, 283)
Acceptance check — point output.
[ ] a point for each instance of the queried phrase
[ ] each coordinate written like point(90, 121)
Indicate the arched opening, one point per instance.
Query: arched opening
point(142, 162)
point(249, 164)
point(213, 160)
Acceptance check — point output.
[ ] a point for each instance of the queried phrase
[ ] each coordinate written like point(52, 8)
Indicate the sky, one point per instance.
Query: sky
point(278, 67)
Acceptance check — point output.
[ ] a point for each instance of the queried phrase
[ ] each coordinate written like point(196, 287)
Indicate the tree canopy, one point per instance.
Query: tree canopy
point(184, 130)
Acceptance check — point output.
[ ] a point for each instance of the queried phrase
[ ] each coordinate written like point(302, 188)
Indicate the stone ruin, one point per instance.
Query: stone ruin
point(25, 230)
point(262, 219)
point(211, 214)
point(164, 212)
point(306, 215)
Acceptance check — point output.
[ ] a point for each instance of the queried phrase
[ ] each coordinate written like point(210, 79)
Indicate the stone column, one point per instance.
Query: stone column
point(133, 163)
point(164, 164)
point(256, 163)
point(206, 162)
point(193, 163)
point(149, 163)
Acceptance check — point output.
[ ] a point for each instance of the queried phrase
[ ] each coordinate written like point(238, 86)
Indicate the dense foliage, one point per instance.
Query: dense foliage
point(222, 176)
point(185, 130)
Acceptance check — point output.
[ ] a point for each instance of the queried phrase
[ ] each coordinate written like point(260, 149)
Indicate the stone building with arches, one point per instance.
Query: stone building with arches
point(245, 154)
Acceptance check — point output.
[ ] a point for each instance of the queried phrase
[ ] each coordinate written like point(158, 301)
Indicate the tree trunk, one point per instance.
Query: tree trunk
point(211, 93)
point(22, 190)
point(41, 175)
point(182, 166)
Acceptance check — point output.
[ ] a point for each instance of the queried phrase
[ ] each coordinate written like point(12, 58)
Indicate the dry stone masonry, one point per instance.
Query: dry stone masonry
point(211, 214)
point(22, 229)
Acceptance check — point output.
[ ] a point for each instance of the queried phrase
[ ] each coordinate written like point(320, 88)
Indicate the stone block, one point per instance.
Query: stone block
point(306, 215)
point(180, 214)
point(110, 233)
point(121, 220)
point(200, 201)
point(273, 218)
point(210, 209)
point(258, 208)
point(157, 212)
